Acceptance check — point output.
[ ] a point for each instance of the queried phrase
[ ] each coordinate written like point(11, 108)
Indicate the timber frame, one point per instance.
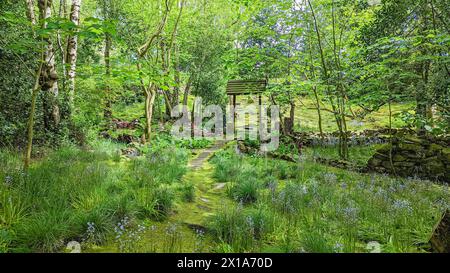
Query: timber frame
point(245, 87)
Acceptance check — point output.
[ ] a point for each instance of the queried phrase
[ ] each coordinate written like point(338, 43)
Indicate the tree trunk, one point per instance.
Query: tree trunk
point(35, 92)
point(49, 76)
point(187, 91)
point(72, 47)
point(62, 14)
point(319, 113)
point(421, 100)
point(150, 90)
point(149, 102)
point(107, 56)
point(30, 128)
point(177, 78)
point(30, 12)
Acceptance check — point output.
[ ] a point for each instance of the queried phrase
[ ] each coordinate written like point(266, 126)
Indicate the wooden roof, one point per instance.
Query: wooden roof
point(243, 87)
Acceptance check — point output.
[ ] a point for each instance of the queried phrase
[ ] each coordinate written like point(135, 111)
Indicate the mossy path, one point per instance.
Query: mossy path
point(184, 230)
point(209, 195)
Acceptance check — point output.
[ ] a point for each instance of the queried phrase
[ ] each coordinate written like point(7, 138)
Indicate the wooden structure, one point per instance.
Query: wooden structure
point(245, 87)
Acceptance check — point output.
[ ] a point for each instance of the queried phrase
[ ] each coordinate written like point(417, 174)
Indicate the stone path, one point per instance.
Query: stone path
point(188, 218)
point(198, 162)
point(209, 195)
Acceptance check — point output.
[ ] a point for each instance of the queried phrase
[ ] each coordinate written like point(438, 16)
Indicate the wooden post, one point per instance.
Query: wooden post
point(260, 115)
point(234, 116)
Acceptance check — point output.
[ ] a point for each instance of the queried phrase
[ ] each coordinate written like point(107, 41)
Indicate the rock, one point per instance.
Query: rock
point(126, 139)
point(374, 162)
point(404, 164)
point(197, 227)
point(412, 140)
point(220, 186)
point(411, 156)
point(385, 149)
point(435, 168)
point(382, 156)
point(282, 157)
point(440, 240)
point(120, 124)
point(388, 165)
point(399, 158)
point(430, 159)
point(410, 147)
point(131, 152)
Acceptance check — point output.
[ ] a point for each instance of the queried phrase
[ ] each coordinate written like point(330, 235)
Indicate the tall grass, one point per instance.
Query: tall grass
point(241, 230)
point(323, 209)
point(76, 194)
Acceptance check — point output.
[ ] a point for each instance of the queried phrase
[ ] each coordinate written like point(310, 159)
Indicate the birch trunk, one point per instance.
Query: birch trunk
point(72, 47)
point(107, 56)
point(49, 76)
point(30, 11)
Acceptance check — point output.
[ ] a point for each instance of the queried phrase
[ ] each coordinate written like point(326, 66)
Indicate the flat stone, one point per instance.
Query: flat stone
point(411, 147)
point(404, 164)
point(196, 227)
point(205, 208)
point(399, 158)
point(384, 149)
point(220, 186)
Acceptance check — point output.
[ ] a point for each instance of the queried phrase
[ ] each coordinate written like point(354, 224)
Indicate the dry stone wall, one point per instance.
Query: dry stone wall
point(414, 157)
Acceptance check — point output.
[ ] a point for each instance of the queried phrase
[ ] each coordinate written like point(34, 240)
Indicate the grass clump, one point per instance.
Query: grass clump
point(188, 192)
point(245, 190)
point(227, 166)
point(239, 229)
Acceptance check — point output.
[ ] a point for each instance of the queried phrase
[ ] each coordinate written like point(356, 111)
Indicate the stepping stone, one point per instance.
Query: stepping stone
point(205, 208)
point(220, 186)
point(198, 162)
point(204, 200)
point(196, 227)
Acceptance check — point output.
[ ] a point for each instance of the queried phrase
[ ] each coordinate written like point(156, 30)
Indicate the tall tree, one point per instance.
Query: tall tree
point(108, 9)
point(72, 48)
point(150, 89)
point(49, 75)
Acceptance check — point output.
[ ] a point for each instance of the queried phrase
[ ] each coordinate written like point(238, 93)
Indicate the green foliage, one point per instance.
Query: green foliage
point(356, 64)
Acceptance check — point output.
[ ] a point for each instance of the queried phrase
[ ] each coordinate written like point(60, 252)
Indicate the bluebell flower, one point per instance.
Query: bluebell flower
point(8, 180)
point(403, 205)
